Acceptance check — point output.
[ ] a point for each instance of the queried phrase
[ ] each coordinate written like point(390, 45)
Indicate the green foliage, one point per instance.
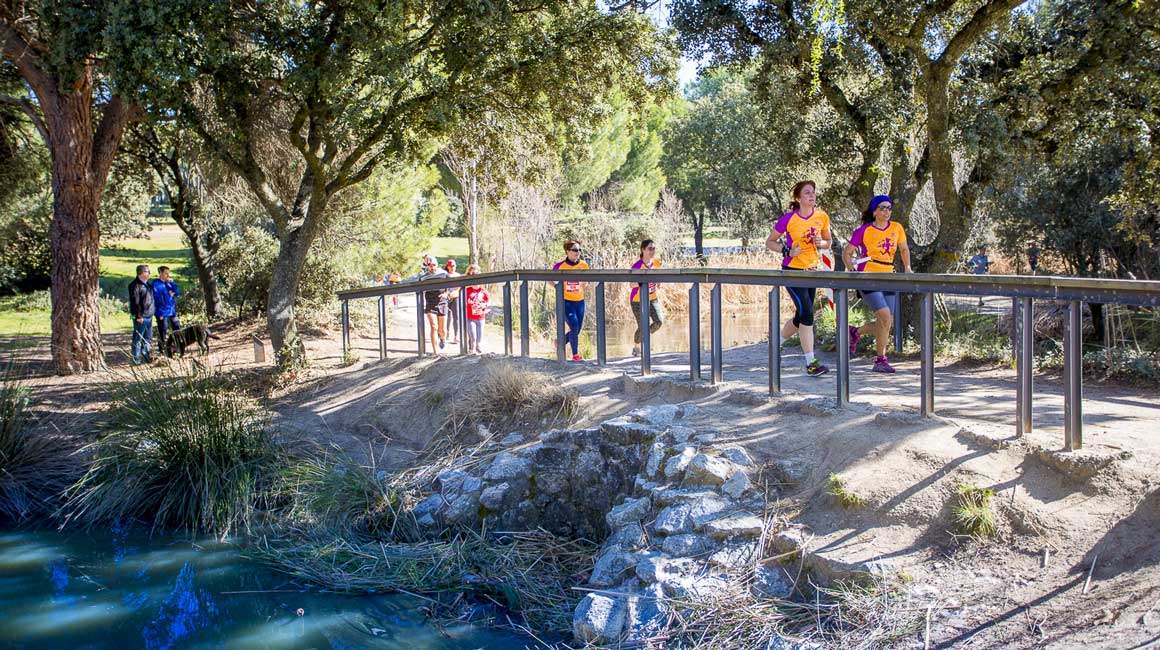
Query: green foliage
point(328, 489)
point(185, 451)
point(972, 511)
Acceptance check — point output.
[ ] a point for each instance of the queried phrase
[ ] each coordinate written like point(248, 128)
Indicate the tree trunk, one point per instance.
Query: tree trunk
point(203, 256)
point(74, 236)
point(699, 235)
point(280, 307)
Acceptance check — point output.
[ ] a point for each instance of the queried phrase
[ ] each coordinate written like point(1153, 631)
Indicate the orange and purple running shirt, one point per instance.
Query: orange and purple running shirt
point(879, 244)
point(652, 286)
point(573, 290)
point(803, 231)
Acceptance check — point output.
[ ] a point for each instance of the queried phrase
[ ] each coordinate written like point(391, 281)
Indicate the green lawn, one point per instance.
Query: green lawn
point(455, 247)
point(30, 314)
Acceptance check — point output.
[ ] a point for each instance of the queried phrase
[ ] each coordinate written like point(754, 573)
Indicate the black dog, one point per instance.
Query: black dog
point(187, 336)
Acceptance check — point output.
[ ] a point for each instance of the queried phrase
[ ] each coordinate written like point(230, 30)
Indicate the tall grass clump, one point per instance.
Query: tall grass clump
point(34, 469)
point(183, 451)
point(507, 395)
point(329, 490)
point(972, 512)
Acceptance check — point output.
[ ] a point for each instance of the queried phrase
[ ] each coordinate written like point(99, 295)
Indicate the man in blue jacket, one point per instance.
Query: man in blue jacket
point(165, 293)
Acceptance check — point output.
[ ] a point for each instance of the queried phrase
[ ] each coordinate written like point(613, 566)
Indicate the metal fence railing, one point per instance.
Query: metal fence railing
point(1022, 290)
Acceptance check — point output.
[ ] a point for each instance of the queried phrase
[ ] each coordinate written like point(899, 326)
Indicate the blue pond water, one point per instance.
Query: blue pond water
point(121, 590)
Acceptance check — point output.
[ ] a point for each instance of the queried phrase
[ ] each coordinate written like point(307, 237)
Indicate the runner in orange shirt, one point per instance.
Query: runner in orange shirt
point(573, 296)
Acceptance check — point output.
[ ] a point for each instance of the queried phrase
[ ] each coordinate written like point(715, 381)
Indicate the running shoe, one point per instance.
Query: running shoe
point(440, 343)
point(881, 365)
point(576, 357)
point(854, 336)
point(636, 350)
point(816, 369)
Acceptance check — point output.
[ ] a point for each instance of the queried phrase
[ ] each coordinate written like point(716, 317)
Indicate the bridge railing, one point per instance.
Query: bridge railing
point(1022, 290)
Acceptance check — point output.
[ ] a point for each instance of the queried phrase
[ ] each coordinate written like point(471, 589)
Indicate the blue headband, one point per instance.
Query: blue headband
point(879, 200)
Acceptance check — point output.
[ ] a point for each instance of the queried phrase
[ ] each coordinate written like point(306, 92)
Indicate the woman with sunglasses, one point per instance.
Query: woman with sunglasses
point(648, 251)
point(875, 243)
point(573, 295)
point(434, 303)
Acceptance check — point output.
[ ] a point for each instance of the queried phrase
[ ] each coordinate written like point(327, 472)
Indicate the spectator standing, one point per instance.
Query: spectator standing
point(165, 293)
point(1033, 257)
point(141, 308)
point(478, 302)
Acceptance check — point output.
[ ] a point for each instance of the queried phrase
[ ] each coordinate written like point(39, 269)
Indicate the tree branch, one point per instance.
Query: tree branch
point(982, 20)
point(29, 109)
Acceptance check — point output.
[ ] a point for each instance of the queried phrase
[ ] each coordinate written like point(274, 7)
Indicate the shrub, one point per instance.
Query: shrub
point(509, 395)
point(972, 512)
point(34, 469)
point(185, 451)
point(331, 490)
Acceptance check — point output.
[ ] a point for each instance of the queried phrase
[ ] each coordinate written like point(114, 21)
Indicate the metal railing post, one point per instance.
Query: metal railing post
point(461, 320)
point(898, 323)
point(419, 323)
point(601, 333)
point(715, 332)
point(382, 327)
point(842, 309)
point(774, 343)
point(695, 332)
point(1026, 359)
point(560, 344)
point(926, 330)
point(1073, 378)
point(507, 318)
point(525, 326)
point(645, 333)
point(345, 327)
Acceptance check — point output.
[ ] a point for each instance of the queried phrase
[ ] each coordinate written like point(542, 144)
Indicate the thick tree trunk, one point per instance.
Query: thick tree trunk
point(74, 236)
point(280, 306)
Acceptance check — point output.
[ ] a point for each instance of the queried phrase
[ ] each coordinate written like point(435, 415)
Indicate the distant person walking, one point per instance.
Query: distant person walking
point(453, 302)
point(876, 242)
point(648, 251)
point(142, 309)
point(434, 303)
point(478, 303)
point(573, 296)
point(1033, 257)
point(165, 293)
point(394, 278)
point(806, 230)
point(979, 264)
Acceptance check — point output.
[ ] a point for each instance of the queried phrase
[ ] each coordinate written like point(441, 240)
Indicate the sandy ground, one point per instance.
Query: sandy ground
point(999, 594)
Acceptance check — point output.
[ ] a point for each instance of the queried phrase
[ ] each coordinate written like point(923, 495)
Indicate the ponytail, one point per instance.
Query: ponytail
point(868, 216)
point(796, 192)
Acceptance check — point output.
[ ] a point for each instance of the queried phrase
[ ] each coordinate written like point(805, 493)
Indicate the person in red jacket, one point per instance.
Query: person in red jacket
point(478, 302)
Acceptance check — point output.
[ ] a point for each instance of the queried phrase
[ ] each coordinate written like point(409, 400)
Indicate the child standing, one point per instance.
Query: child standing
point(478, 302)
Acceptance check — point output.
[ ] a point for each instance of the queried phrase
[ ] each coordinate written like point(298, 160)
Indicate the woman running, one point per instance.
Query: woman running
point(573, 296)
point(806, 230)
point(434, 301)
point(478, 301)
point(453, 303)
point(648, 251)
point(875, 243)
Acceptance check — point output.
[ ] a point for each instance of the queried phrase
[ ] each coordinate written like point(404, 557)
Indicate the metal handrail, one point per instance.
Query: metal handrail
point(1022, 290)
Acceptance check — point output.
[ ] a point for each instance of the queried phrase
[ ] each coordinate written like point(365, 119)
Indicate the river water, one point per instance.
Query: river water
point(122, 590)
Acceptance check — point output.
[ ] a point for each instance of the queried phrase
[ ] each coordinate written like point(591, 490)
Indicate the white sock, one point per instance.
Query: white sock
point(809, 357)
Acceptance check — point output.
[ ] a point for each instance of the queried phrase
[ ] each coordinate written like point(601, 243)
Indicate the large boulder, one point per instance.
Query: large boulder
point(599, 619)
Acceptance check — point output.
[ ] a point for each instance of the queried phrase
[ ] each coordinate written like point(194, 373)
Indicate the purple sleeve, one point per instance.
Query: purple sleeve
point(639, 264)
point(783, 223)
point(557, 266)
point(856, 238)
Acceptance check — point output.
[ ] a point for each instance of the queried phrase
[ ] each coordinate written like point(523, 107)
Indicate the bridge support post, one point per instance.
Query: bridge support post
point(926, 331)
point(695, 332)
point(525, 326)
point(774, 343)
point(419, 323)
point(842, 309)
point(345, 327)
point(715, 331)
point(898, 323)
point(601, 334)
point(645, 333)
point(461, 320)
point(507, 318)
point(1024, 367)
point(560, 344)
point(1073, 378)
point(382, 327)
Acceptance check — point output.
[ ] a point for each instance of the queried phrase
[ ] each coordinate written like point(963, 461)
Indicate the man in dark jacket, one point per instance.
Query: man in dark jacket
point(141, 309)
point(165, 293)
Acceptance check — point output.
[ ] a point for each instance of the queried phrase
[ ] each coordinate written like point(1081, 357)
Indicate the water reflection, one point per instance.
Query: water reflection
point(121, 589)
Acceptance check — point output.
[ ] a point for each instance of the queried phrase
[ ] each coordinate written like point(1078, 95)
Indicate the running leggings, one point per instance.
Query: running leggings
point(574, 317)
point(803, 302)
point(474, 334)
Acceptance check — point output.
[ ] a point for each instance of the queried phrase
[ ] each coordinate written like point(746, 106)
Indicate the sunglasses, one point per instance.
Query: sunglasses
point(573, 250)
point(651, 248)
point(885, 207)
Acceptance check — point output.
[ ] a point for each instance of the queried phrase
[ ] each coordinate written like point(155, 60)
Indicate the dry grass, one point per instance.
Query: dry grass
point(530, 573)
point(510, 396)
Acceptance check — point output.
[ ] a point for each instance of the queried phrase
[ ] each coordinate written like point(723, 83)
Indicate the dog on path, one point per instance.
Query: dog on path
point(187, 336)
